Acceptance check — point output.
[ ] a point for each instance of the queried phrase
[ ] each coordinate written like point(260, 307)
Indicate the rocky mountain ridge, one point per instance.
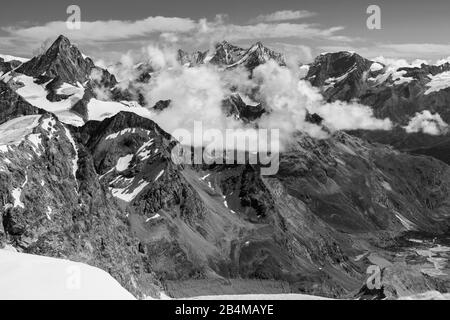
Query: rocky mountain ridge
point(106, 192)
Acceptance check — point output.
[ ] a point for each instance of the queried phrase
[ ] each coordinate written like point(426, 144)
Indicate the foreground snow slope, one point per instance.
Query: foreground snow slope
point(25, 276)
point(261, 297)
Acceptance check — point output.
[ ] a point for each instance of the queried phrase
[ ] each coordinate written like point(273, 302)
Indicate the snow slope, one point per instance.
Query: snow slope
point(36, 95)
point(25, 276)
point(261, 297)
point(99, 110)
point(438, 82)
point(8, 58)
point(15, 130)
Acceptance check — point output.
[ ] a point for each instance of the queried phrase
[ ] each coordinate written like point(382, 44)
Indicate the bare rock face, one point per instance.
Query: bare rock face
point(391, 92)
point(65, 61)
point(52, 204)
point(341, 74)
point(232, 56)
point(290, 228)
point(235, 106)
point(12, 105)
point(193, 59)
point(7, 66)
point(61, 59)
point(4, 66)
point(227, 54)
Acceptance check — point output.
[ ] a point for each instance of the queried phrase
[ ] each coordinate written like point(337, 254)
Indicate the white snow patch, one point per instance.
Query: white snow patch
point(248, 101)
point(398, 77)
point(36, 95)
point(144, 152)
point(100, 110)
point(386, 185)
point(438, 82)
point(123, 163)
point(48, 124)
point(36, 141)
point(359, 257)
point(376, 67)
point(405, 222)
point(4, 148)
point(159, 175)
point(8, 58)
point(17, 193)
point(331, 82)
point(392, 70)
point(203, 178)
point(14, 131)
point(75, 160)
point(156, 216)
point(125, 131)
point(282, 296)
point(25, 276)
point(49, 213)
point(128, 194)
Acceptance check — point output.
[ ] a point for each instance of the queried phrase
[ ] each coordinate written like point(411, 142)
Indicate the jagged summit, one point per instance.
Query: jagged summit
point(341, 74)
point(63, 60)
point(231, 56)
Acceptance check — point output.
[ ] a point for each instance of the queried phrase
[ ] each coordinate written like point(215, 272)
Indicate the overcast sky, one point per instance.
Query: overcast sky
point(409, 29)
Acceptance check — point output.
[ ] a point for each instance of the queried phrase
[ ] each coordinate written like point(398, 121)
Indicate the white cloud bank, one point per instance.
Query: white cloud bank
point(427, 123)
point(185, 32)
point(283, 15)
point(197, 93)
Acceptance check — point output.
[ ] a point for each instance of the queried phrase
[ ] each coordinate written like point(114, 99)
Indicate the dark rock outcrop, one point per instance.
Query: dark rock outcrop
point(12, 105)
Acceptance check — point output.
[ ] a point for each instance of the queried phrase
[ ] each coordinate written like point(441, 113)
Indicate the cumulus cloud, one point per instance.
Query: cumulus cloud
point(185, 32)
point(283, 15)
point(427, 123)
point(213, 31)
point(440, 62)
point(294, 53)
point(197, 94)
point(105, 30)
point(289, 99)
point(350, 116)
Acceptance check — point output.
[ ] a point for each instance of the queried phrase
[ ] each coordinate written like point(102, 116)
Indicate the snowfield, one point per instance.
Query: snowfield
point(262, 297)
point(8, 58)
point(123, 163)
point(36, 95)
point(15, 130)
point(130, 192)
point(438, 82)
point(25, 276)
point(100, 110)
